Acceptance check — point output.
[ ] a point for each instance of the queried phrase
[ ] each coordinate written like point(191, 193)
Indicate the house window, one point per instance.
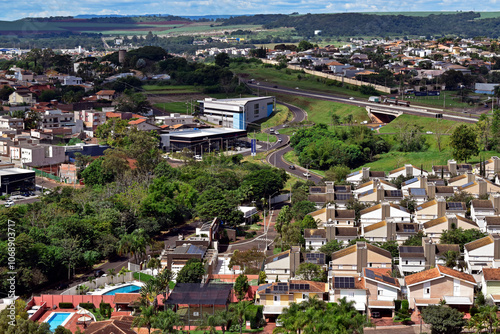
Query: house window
point(305, 296)
point(310, 243)
point(420, 262)
point(380, 292)
point(286, 271)
point(383, 265)
point(354, 267)
point(348, 222)
point(341, 266)
point(428, 290)
point(276, 298)
point(406, 262)
point(370, 265)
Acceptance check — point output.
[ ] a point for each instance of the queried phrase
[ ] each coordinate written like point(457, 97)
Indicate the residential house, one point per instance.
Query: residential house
point(451, 169)
point(21, 97)
point(363, 175)
point(492, 224)
point(142, 124)
point(331, 215)
point(354, 258)
point(434, 228)
point(479, 188)
point(389, 231)
point(314, 238)
point(407, 171)
point(91, 118)
point(176, 259)
point(69, 80)
point(490, 284)
point(373, 185)
point(340, 194)
point(482, 253)
point(106, 95)
point(279, 295)
point(441, 283)
point(351, 287)
point(491, 166)
point(343, 234)
point(480, 209)
point(382, 290)
point(11, 123)
point(460, 180)
point(383, 211)
point(438, 208)
point(337, 67)
point(282, 265)
point(56, 118)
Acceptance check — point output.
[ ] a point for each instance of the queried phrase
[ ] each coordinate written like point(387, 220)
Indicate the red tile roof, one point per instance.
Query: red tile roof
point(457, 274)
point(137, 121)
point(422, 276)
point(491, 274)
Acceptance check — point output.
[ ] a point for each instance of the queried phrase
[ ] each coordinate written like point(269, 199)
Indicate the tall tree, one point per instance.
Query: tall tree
point(443, 319)
point(463, 142)
point(241, 286)
point(192, 272)
point(146, 318)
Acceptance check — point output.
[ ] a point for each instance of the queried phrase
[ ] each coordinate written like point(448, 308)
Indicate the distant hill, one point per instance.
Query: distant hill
point(189, 17)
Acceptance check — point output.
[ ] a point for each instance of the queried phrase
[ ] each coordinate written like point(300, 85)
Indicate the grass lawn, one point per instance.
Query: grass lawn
point(427, 124)
point(262, 136)
point(281, 116)
point(292, 158)
point(453, 100)
point(319, 111)
point(157, 89)
point(260, 158)
point(174, 107)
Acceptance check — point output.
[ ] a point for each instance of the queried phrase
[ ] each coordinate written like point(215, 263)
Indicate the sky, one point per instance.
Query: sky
point(17, 9)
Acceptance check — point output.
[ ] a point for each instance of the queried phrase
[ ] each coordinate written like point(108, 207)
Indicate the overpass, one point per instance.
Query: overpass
point(380, 114)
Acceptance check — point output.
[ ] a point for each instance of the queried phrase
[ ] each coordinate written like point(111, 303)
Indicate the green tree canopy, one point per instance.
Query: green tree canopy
point(443, 319)
point(192, 272)
point(463, 142)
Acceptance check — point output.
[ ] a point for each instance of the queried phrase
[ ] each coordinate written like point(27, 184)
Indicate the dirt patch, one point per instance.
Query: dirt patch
point(165, 22)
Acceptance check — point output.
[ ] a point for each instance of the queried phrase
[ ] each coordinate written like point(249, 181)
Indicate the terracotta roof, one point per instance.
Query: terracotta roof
point(165, 126)
point(443, 248)
point(105, 92)
point(314, 233)
point(344, 252)
point(457, 274)
point(126, 298)
point(375, 226)
point(422, 276)
point(482, 204)
point(426, 205)
point(491, 274)
point(479, 243)
point(137, 121)
point(346, 231)
point(492, 220)
point(318, 212)
point(176, 126)
point(313, 286)
point(436, 221)
point(380, 303)
point(112, 326)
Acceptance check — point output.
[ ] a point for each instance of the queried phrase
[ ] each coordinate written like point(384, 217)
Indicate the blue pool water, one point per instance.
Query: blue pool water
point(123, 289)
point(57, 319)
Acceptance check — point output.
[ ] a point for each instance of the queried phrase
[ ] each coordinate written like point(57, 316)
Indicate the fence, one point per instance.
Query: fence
point(342, 79)
point(41, 173)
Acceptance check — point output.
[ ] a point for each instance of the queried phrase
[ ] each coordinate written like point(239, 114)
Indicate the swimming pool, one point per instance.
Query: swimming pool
point(58, 318)
point(124, 289)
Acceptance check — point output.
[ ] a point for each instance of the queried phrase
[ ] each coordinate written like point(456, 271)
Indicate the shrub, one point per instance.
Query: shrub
point(254, 315)
point(87, 306)
point(66, 305)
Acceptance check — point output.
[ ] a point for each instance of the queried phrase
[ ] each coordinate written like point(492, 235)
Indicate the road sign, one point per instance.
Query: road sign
point(253, 143)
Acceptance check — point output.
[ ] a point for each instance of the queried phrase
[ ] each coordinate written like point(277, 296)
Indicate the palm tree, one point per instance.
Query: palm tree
point(451, 258)
point(91, 280)
point(112, 274)
point(239, 311)
point(210, 322)
point(146, 318)
point(485, 318)
point(149, 292)
point(163, 280)
point(166, 321)
point(122, 272)
point(154, 263)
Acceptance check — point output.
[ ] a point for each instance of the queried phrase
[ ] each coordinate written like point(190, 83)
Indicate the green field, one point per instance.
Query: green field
point(174, 107)
point(428, 124)
point(161, 90)
point(319, 111)
point(260, 136)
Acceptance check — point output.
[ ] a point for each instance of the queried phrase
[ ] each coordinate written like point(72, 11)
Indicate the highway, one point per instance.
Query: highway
point(412, 110)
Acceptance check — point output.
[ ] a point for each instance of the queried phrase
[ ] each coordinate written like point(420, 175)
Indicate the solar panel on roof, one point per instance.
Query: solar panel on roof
point(194, 250)
point(317, 258)
point(410, 249)
point(344, 282)
point(395, 193)
point(389, 279)
point(411, 181)
point(417, 191)
point(408, 228)
point(455, 206)
point(315, 190)
point(343, 196)
point(369, 273)
point(467, 184)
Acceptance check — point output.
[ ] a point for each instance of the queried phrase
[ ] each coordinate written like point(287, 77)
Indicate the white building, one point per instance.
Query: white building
point(237, 113)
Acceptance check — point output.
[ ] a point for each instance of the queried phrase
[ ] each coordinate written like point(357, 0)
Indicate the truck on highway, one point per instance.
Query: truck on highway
point(397, 102)
point(374, 99)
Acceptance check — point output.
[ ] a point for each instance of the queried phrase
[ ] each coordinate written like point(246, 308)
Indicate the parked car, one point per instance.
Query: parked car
point(198, 157)
point(9, 203)
point(376, 314)
point(292, 167)
point(98, 273)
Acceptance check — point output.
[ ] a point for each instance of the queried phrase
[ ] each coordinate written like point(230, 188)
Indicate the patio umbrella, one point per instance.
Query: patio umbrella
point(84, 318)
point(83, 311)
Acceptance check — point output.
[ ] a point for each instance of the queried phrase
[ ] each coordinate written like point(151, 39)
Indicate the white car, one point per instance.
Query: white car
point(429, 132)
point(351, 98)
point(198, 157)
point(9, 203)
point(306, 174)
point(279, 140)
